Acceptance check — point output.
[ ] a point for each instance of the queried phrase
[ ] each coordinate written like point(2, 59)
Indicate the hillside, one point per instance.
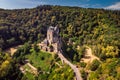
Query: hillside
point(80, 29)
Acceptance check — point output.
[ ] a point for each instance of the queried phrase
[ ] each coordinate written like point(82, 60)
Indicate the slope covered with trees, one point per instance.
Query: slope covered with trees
point(97, 28)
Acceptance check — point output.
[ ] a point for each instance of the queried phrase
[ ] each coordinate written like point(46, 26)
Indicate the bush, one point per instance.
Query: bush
point(42, 58)
point(102, 56)
point(83, 64)
point(36, 48)
point(55, 56)
point(84, 74)
point(93, 76)
point(94, 65)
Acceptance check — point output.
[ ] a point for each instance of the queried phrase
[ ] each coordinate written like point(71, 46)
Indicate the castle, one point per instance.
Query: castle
point(53, 41)
point(53, 44)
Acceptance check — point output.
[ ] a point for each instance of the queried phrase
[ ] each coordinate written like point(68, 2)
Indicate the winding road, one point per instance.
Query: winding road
point(75, 69)
point(63, 59)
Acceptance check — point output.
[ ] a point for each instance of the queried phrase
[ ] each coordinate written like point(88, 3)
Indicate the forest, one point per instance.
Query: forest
point(97, 28)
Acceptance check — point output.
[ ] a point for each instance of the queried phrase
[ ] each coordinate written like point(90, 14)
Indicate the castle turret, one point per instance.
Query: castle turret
point(52, 34)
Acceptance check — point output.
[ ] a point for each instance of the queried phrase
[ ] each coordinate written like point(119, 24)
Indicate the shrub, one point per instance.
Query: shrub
point(83, 64)
point(94, 65)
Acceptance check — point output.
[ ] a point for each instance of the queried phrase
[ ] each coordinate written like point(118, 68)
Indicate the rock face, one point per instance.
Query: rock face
point(53, 41)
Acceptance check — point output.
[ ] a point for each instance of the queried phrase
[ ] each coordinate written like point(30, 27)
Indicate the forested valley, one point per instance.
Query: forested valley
point(80, 28)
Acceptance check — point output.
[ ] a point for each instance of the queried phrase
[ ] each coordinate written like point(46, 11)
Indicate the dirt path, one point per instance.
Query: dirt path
point(12, 50)
point(31, 66)
point(32, 69)
point(89, 57)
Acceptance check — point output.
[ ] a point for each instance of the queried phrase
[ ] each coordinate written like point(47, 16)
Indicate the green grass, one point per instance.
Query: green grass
point(30, 76)
point(45, 64)
point(40, 59)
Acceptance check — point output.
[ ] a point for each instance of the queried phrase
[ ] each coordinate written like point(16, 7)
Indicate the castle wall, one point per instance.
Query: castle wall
point(53, 39)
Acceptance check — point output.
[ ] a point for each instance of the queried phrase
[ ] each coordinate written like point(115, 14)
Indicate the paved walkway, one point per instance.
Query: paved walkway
point(75, 69)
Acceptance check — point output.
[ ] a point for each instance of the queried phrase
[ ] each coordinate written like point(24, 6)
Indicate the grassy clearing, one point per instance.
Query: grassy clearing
point(40, 59)
point(51, 67)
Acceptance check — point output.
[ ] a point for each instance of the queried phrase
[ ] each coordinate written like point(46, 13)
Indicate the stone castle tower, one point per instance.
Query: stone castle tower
point(53, 41)
point(52, 34)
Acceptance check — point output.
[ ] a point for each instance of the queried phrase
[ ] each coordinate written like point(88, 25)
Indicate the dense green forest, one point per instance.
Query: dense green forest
point(97, 28)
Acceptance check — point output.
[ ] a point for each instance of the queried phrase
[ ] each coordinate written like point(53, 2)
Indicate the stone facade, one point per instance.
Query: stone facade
point(53, 41)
